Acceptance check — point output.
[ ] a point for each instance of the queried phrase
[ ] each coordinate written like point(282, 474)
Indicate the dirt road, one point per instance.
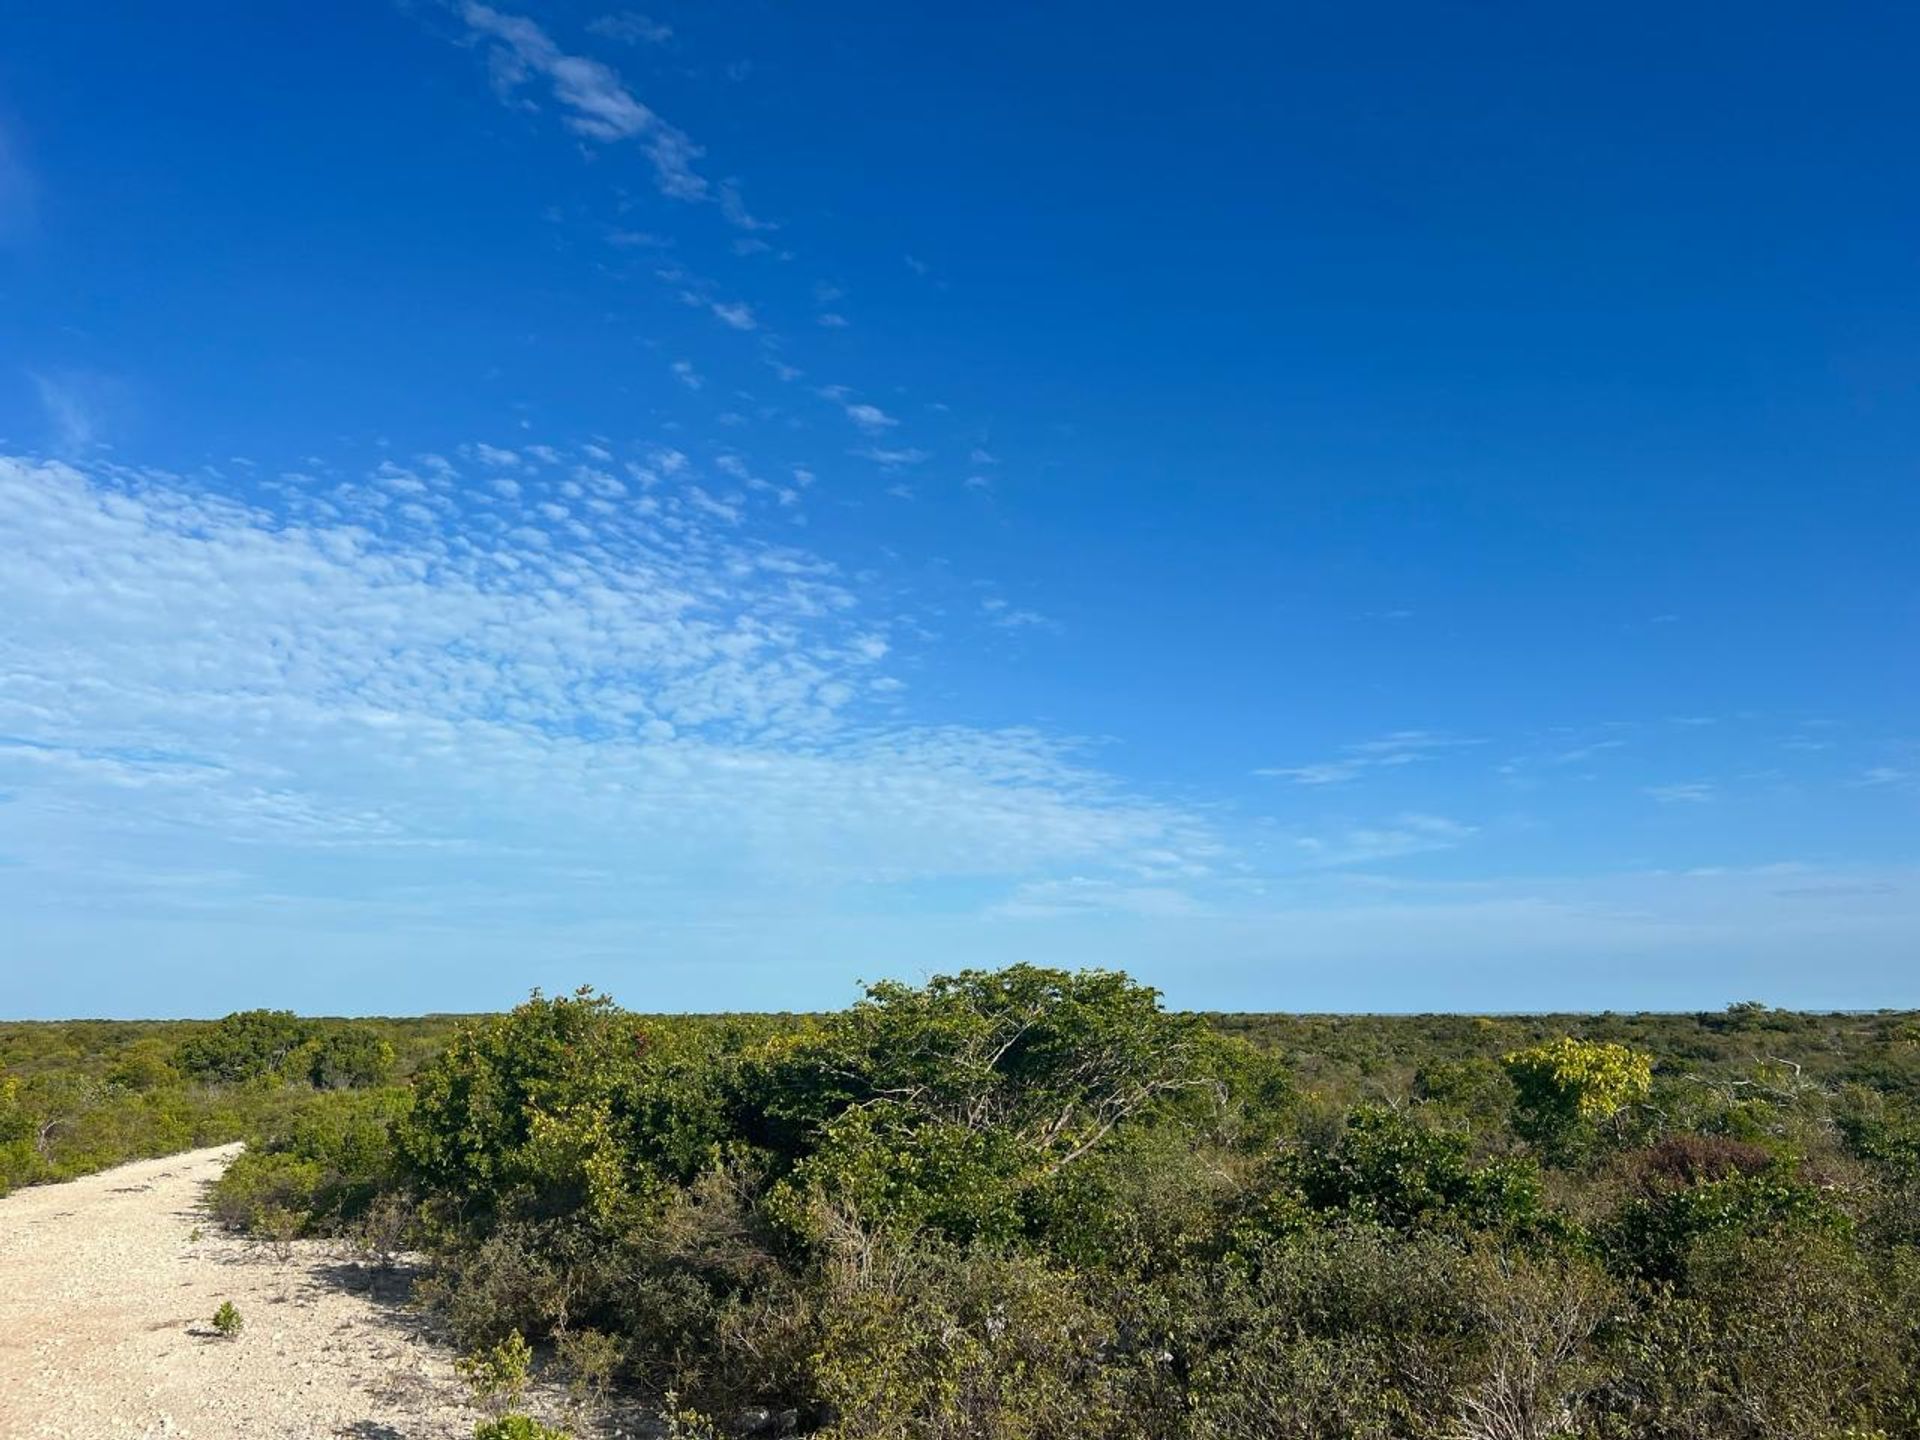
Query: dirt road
point(107, 1289)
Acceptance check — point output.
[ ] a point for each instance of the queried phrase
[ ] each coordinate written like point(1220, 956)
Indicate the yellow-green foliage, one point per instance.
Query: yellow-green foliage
point(497, 1377)
point(1568, 1082)
point(517, 1427)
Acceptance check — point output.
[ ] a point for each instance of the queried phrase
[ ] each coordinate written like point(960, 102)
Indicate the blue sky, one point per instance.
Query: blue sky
point(1386, 507)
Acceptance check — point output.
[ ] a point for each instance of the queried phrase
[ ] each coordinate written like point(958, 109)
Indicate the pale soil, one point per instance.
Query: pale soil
point(106, 1301)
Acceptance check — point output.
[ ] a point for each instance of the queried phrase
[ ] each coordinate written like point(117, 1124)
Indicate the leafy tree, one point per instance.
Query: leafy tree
point(1477, 1089)
point(523, 1107)
point(1055, 1060)
point(144, 1065)
point(19, 1161)
point(1565, 1087)
point(943, 1104)
point(352, 1057)
point(246, 1045)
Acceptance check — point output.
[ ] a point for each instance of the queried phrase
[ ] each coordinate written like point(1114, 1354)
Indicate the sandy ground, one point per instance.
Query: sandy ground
point(106, 1300)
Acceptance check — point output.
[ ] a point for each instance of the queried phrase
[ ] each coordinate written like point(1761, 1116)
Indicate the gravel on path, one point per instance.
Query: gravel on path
point(108, 1286)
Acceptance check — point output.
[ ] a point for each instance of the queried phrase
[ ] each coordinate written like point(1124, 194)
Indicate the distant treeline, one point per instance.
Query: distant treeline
point(1029, 1203)
point(81, 1095)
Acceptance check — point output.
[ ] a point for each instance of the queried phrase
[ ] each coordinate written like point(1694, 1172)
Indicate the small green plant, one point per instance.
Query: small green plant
point(686, 1423)
point(591, 1357)
point(517, 1427)
point(227, 1322)
point(497, 1377)
point(194, 1235)
point(278, 1227)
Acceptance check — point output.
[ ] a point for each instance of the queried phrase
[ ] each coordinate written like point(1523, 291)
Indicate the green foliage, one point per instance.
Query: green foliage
point(1033, 1204)
point(517, 1427)
point(325, 1161)
point(352, 1057)
point(1385, 1169)
point(89, 1094)
point(497, 1377)
point(925, 1341)
point(521, 1107)
point(246, 1045)
point(144, 1065)
point(1566, 1086)
point(1655, 1234)
point(227, 1322)
point(1784, 1334)
point(1476, 1091)
point(591, 1359)
point(950, 1104)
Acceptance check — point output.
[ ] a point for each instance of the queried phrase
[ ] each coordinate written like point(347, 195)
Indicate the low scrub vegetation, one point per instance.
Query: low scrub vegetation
point(79, 1096)
point(1029, 1203)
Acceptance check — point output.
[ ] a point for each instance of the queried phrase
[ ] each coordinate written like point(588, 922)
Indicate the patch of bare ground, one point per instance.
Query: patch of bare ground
point(108, 1286)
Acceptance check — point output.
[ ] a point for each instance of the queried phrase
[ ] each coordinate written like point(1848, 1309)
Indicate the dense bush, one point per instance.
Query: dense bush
point(247, 1045)
point(326, 1162)
point(79, 1096)
point(352, 1057)
point(1029, 1204)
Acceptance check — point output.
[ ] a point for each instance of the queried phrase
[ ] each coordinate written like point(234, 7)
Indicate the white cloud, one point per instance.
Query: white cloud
point(870, 417)
point(1011, 617)
point(598, 105)
point(735, 314)
point(1081, 895)
point(891, 459)
point(1893, 777)
point(1686, 792)
point(71, 409)
point(1408, 834)
point(504, 686)
point(630, 28)
point(1402, 747)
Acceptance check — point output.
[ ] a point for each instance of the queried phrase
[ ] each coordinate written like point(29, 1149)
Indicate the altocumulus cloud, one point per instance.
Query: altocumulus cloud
point(594, 102)
point(357, 688)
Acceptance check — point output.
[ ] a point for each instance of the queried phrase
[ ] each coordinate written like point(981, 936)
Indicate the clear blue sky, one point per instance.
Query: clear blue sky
point(1331, 506)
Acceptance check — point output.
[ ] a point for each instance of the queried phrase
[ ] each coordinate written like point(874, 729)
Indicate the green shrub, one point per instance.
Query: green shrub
point(591, 1359)
point(1785, 1334)
point(352, 1057)
point(520, 1107)
point(1387, 1169)
point(227, 1322)
point(1026, 1204)
point(327, 1161)
point(517, 1427)
point(246, 1045)
point(497, 1377)
point(1655, 1234)
point(1566, 1087)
